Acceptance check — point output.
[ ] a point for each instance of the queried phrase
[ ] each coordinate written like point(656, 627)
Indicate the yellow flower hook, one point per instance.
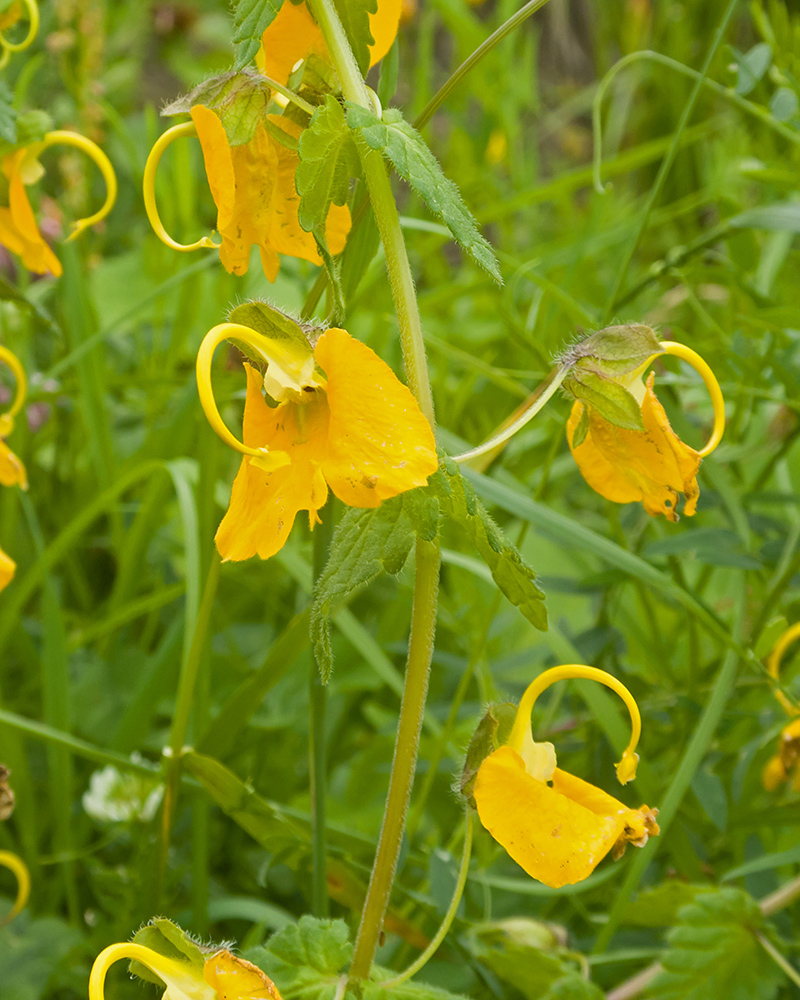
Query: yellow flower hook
point(149, 189)
point(710, 380)
point(521, 730)
point(175, 974)
point(33, 29)
point(20, 870)
point(774, 663)
point(62, 137)
point(262, 457)
point(7, 419)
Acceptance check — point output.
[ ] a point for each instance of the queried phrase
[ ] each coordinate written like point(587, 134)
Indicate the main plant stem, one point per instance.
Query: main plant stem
point(426, 584)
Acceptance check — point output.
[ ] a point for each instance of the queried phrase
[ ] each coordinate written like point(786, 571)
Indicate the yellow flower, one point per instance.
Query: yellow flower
point(12, 471)
point(651, 465)
point(16, 865)
point(294, 35)
point(554, 825)
point(785, 764)
point(222, 976)
point(342, 421)
point(19, 232)
point(253, 189)
point(10, 16)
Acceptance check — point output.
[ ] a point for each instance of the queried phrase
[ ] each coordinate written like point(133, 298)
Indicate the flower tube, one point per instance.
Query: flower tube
point(16, 865)
point(342, 421)
point(784, 765)
point(9, 18)
point(19, 232)
point(554, 825)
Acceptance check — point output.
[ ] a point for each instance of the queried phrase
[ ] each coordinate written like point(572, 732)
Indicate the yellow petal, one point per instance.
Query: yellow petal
point(383, 26)
point(774, 773)
point(653, 466)
point(12, 471)
point(7, 569)
point(294, 35)
point(379, 444)
point(218, 161)
point(18, 229)
point(264, 504)
point(236, 979)
point(557, 841)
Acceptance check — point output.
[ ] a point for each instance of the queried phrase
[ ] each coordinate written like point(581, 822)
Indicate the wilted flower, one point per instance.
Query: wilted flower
point(342, 420)
point(554, 825)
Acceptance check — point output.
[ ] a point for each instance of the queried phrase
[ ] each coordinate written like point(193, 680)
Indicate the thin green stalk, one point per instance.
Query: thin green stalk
point(317, 756)
point(183, 708)
point(692, 758)
point(472, 61)
point(452, 909)
point(778, 959)
point(666, 164)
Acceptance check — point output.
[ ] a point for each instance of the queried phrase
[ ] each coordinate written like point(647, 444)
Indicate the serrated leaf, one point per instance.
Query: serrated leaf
point(714, 952)
point(405, 148)
point(510, 572)
point(574, 987)
point(251, 18)
point(328, 160)
point(404, 991)
point(8, 115)
point(168, 939)
point(367, 543)
point(239, 99)
point(354, 15)
point(611, 400)
point(306, 958)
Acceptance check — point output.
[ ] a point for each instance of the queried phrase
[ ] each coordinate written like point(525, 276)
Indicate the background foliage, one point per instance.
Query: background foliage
point(128, 483)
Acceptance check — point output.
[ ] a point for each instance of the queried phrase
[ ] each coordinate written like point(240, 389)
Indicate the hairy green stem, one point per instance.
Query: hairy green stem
point(404, 764)
point(452, 909)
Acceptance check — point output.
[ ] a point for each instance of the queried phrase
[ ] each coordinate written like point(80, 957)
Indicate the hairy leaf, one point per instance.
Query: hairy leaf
point(168, 939)
point(306, 958)
point(714, 952)
point(251, 18)
point(510, 572)
point(367, 543)
point(328, 159)
point(405, 148)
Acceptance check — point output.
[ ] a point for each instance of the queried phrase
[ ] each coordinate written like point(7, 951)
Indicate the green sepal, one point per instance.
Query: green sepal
point(171, 941)
point(239, 99)
point(492, 732)
point(613, 351)
point(609, 398)
point(279, 326)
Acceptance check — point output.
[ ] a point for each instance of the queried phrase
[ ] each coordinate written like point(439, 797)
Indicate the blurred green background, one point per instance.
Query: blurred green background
point(127, 485)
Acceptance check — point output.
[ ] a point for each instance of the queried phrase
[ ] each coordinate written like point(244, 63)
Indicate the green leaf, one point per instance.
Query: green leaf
point(354, 15)
point(659, 906)
point(574, 987)
point(784, 104)
point(251, 18)
point(367, 543)
point(328, 159)
point(714, 952)
point(510, 572)
point(32, 126)
point(582, 429)
point(609, 398)
point(405, 148)
point(305, 959)
point(173, 942)
point(239, 100)
point(490, 734)
point(31, 950)
point(264, 821)
point(403, 991)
